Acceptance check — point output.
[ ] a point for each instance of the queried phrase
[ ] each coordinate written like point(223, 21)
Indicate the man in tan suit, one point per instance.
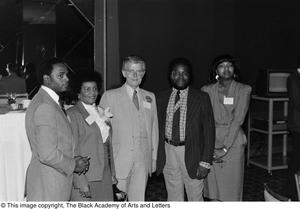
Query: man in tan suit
point(50, 172)
point(135, 129)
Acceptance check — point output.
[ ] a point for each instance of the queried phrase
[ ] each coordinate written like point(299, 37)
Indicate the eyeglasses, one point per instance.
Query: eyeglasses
point(138, 72)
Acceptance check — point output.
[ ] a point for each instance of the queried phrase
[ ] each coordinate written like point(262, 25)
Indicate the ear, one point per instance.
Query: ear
point(172, 75)
point(124, 73)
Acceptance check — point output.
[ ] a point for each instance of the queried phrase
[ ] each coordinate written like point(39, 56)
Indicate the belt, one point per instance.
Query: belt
point(175, 143)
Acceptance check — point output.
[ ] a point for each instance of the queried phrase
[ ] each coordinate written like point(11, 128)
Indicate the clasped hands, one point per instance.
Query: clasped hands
point(82, 164)
point(219, 153)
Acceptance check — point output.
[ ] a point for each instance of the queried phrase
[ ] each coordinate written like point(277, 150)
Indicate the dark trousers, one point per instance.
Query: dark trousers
point(294, 165)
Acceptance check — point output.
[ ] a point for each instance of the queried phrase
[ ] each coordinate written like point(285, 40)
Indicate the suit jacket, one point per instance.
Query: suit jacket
point(12, 83)
point(88, 140)
point(121, 105)
point(229, 118)
point(50, 172)
point(293, 86)
point(199, 130)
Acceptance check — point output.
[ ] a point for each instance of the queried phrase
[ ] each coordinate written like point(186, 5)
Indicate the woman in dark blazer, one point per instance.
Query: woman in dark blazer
point(92, 133)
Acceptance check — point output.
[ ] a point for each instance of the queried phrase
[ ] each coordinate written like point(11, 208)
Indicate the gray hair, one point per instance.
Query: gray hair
point(133, 59)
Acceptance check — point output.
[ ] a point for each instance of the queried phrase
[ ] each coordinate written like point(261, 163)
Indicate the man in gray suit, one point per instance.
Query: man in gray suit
point(134, 128)
point(50, 172)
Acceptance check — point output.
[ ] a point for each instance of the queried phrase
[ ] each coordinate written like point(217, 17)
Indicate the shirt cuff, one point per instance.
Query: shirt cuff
point(205, 165)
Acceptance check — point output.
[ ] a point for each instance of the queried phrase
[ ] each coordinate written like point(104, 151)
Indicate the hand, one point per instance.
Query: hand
point(85, 192)
point(202, 172)
point(118, 194)
point(81, 164)
point(219, 153)
point(114, 180)
point(153, 166)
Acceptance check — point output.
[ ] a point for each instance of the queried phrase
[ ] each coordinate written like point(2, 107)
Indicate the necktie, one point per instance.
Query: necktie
point(176, 121)
point(135, 100)
point(62, 106)
point(177, 98)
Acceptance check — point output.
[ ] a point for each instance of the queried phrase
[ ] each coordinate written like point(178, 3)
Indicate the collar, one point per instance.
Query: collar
point(51, 93)
point(130, 90)
point(88, 106)
point(181, 92)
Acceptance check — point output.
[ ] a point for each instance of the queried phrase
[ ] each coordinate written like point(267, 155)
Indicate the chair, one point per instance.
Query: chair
point(271, 196)
point(297, 180)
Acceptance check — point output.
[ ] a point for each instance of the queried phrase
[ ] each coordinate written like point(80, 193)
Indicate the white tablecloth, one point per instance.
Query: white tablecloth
point(15, 156)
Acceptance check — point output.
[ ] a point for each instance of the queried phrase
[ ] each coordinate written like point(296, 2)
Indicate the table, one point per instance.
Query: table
point(270, 162)
point(15, 155)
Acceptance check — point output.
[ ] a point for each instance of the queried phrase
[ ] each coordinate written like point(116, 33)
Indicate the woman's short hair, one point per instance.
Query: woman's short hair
point(218, 60)
point(85, 76)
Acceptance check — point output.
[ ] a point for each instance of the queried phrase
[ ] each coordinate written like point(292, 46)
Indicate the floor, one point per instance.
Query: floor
point(254, 180)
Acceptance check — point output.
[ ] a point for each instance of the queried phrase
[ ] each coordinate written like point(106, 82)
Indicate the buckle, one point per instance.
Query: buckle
point(175, 143)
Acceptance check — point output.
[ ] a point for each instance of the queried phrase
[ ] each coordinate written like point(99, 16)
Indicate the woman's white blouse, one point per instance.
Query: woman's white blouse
point(99, 118)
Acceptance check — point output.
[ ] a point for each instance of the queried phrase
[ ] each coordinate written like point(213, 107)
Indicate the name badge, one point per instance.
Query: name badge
point(228, 100)
point(90, 119)
point(147, 104)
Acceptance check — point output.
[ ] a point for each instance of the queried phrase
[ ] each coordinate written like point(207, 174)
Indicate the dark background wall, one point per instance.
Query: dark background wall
point(8, 31)
point(259, 33)
point(75, 36)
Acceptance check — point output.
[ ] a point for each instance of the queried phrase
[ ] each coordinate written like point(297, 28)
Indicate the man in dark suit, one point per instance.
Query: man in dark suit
point(186, 134)
point(50, 173)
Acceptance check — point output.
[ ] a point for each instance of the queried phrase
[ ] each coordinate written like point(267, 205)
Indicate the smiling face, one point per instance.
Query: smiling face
point(88, 92)
point(134, 72)
point(225, 70)
point(180, 77)
point(58, 80)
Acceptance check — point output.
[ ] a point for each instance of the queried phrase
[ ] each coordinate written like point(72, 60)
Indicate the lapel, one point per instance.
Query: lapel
point(191, 107)
point(126, 100)
point(146, 113)
point(163, 105)
point(85, 115)
point(50, 101)
point(231, 93)
point(126, 104)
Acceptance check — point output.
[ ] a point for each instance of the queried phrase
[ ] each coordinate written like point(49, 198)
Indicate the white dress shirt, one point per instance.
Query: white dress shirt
point(51, 93)
point(130, 91)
